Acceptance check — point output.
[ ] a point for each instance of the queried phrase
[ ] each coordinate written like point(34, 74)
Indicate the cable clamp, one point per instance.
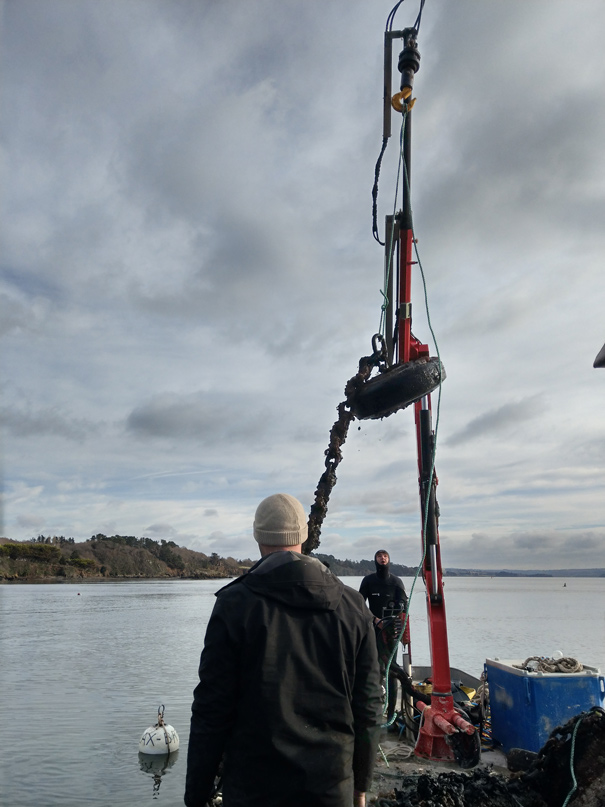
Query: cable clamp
point(405, 311)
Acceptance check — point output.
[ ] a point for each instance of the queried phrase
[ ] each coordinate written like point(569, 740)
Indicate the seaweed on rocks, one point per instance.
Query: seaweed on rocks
point(480, 788)
point(568, 770)
point(574, 751)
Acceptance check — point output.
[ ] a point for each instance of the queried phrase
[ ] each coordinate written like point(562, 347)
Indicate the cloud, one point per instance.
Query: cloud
point(188, 277)
point(30, 522)
point(161, 529)
point(535, 542)
point(504, 419)
point(553, 548)
point(202, 417)
point(47, 422)
point(17, 315)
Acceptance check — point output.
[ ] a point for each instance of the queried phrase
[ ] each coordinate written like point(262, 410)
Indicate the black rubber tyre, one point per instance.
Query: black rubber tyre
point(397, 388)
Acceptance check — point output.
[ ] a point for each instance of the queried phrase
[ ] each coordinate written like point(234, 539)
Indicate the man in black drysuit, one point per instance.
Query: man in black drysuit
point(289, 691)
point(385, 593)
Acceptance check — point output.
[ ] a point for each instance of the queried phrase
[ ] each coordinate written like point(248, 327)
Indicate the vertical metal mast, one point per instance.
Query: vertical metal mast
point(441, 718)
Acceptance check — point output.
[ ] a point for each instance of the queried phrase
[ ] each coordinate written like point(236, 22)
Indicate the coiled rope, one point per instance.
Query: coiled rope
point(567, 664)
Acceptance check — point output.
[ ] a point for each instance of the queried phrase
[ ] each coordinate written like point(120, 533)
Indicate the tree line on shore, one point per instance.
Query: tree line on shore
point(359, 568)
point(126, 556)
point(110, 557)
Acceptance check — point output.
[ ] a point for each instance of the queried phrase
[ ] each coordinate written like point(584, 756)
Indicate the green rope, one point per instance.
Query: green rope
point(571, 761)
point(384, 756)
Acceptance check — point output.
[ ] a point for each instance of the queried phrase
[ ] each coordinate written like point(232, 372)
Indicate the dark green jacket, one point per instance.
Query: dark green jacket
point(289, 690)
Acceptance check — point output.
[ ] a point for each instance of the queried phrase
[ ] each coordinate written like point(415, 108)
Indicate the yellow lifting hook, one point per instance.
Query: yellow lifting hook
point(397, 101)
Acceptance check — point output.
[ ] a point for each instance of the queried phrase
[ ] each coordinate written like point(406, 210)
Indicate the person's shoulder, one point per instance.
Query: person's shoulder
point(233, 592)
point(354, 600)
point(397, 582)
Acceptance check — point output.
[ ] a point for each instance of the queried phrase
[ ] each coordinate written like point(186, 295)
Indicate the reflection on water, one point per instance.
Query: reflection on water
point(156, 767)
point(83, 668)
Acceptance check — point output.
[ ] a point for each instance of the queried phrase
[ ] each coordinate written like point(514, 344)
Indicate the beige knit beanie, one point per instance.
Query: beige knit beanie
point(280, 520)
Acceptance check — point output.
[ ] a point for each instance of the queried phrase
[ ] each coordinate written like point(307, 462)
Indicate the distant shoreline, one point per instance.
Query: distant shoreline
point(119, 558)
point(450, 573)
point(74, 581)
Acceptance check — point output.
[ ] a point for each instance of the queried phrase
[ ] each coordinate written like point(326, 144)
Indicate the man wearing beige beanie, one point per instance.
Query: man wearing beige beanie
point(289, 691)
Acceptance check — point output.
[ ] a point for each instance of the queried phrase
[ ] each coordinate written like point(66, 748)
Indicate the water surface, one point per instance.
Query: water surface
point(85, 666)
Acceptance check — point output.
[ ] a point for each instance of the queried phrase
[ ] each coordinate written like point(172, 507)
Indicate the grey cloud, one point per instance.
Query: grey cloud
point(253, 272)
point(161, 529)
point(585, 541)
point(393, 508)
point(186, 157)
point(313, 433)
point(242, 546)
point(498, 421)
point(24, 306)
point(536, 542)
point(209, 419)
point(479, 536)
point(30, 522)
point(508, 165)
point(401, 550)
point(390, 499)
point(367, 542)
point(555, 548)
point(109, 527)
point(188, 203)
point(589, 451)
point(550, 548)
point(47, 422)
point(13, 315)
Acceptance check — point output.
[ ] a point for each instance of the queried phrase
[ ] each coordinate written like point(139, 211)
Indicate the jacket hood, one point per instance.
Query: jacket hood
point(295, 580)
point(382, 570)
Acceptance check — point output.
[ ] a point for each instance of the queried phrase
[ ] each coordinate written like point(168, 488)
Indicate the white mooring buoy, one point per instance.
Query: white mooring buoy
point(159, 739)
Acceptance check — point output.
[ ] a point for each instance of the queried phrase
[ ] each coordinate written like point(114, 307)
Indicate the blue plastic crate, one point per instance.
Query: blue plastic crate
point(527, 706)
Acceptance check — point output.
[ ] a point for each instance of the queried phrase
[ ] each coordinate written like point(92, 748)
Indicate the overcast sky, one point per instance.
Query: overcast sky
point(188, 275)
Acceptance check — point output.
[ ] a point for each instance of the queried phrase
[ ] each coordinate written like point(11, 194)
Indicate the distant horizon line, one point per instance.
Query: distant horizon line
point(559, 571)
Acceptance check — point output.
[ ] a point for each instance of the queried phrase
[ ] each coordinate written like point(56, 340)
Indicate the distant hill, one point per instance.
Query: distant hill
point(353, 568)
point(359, 568)
point(109, 558)
point(524, 572)
point(114, 557)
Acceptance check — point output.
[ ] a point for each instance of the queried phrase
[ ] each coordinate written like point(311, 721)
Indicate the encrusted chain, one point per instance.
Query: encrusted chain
point(338, 435)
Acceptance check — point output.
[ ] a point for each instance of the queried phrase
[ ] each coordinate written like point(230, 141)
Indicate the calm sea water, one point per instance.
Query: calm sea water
point(84, 669)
